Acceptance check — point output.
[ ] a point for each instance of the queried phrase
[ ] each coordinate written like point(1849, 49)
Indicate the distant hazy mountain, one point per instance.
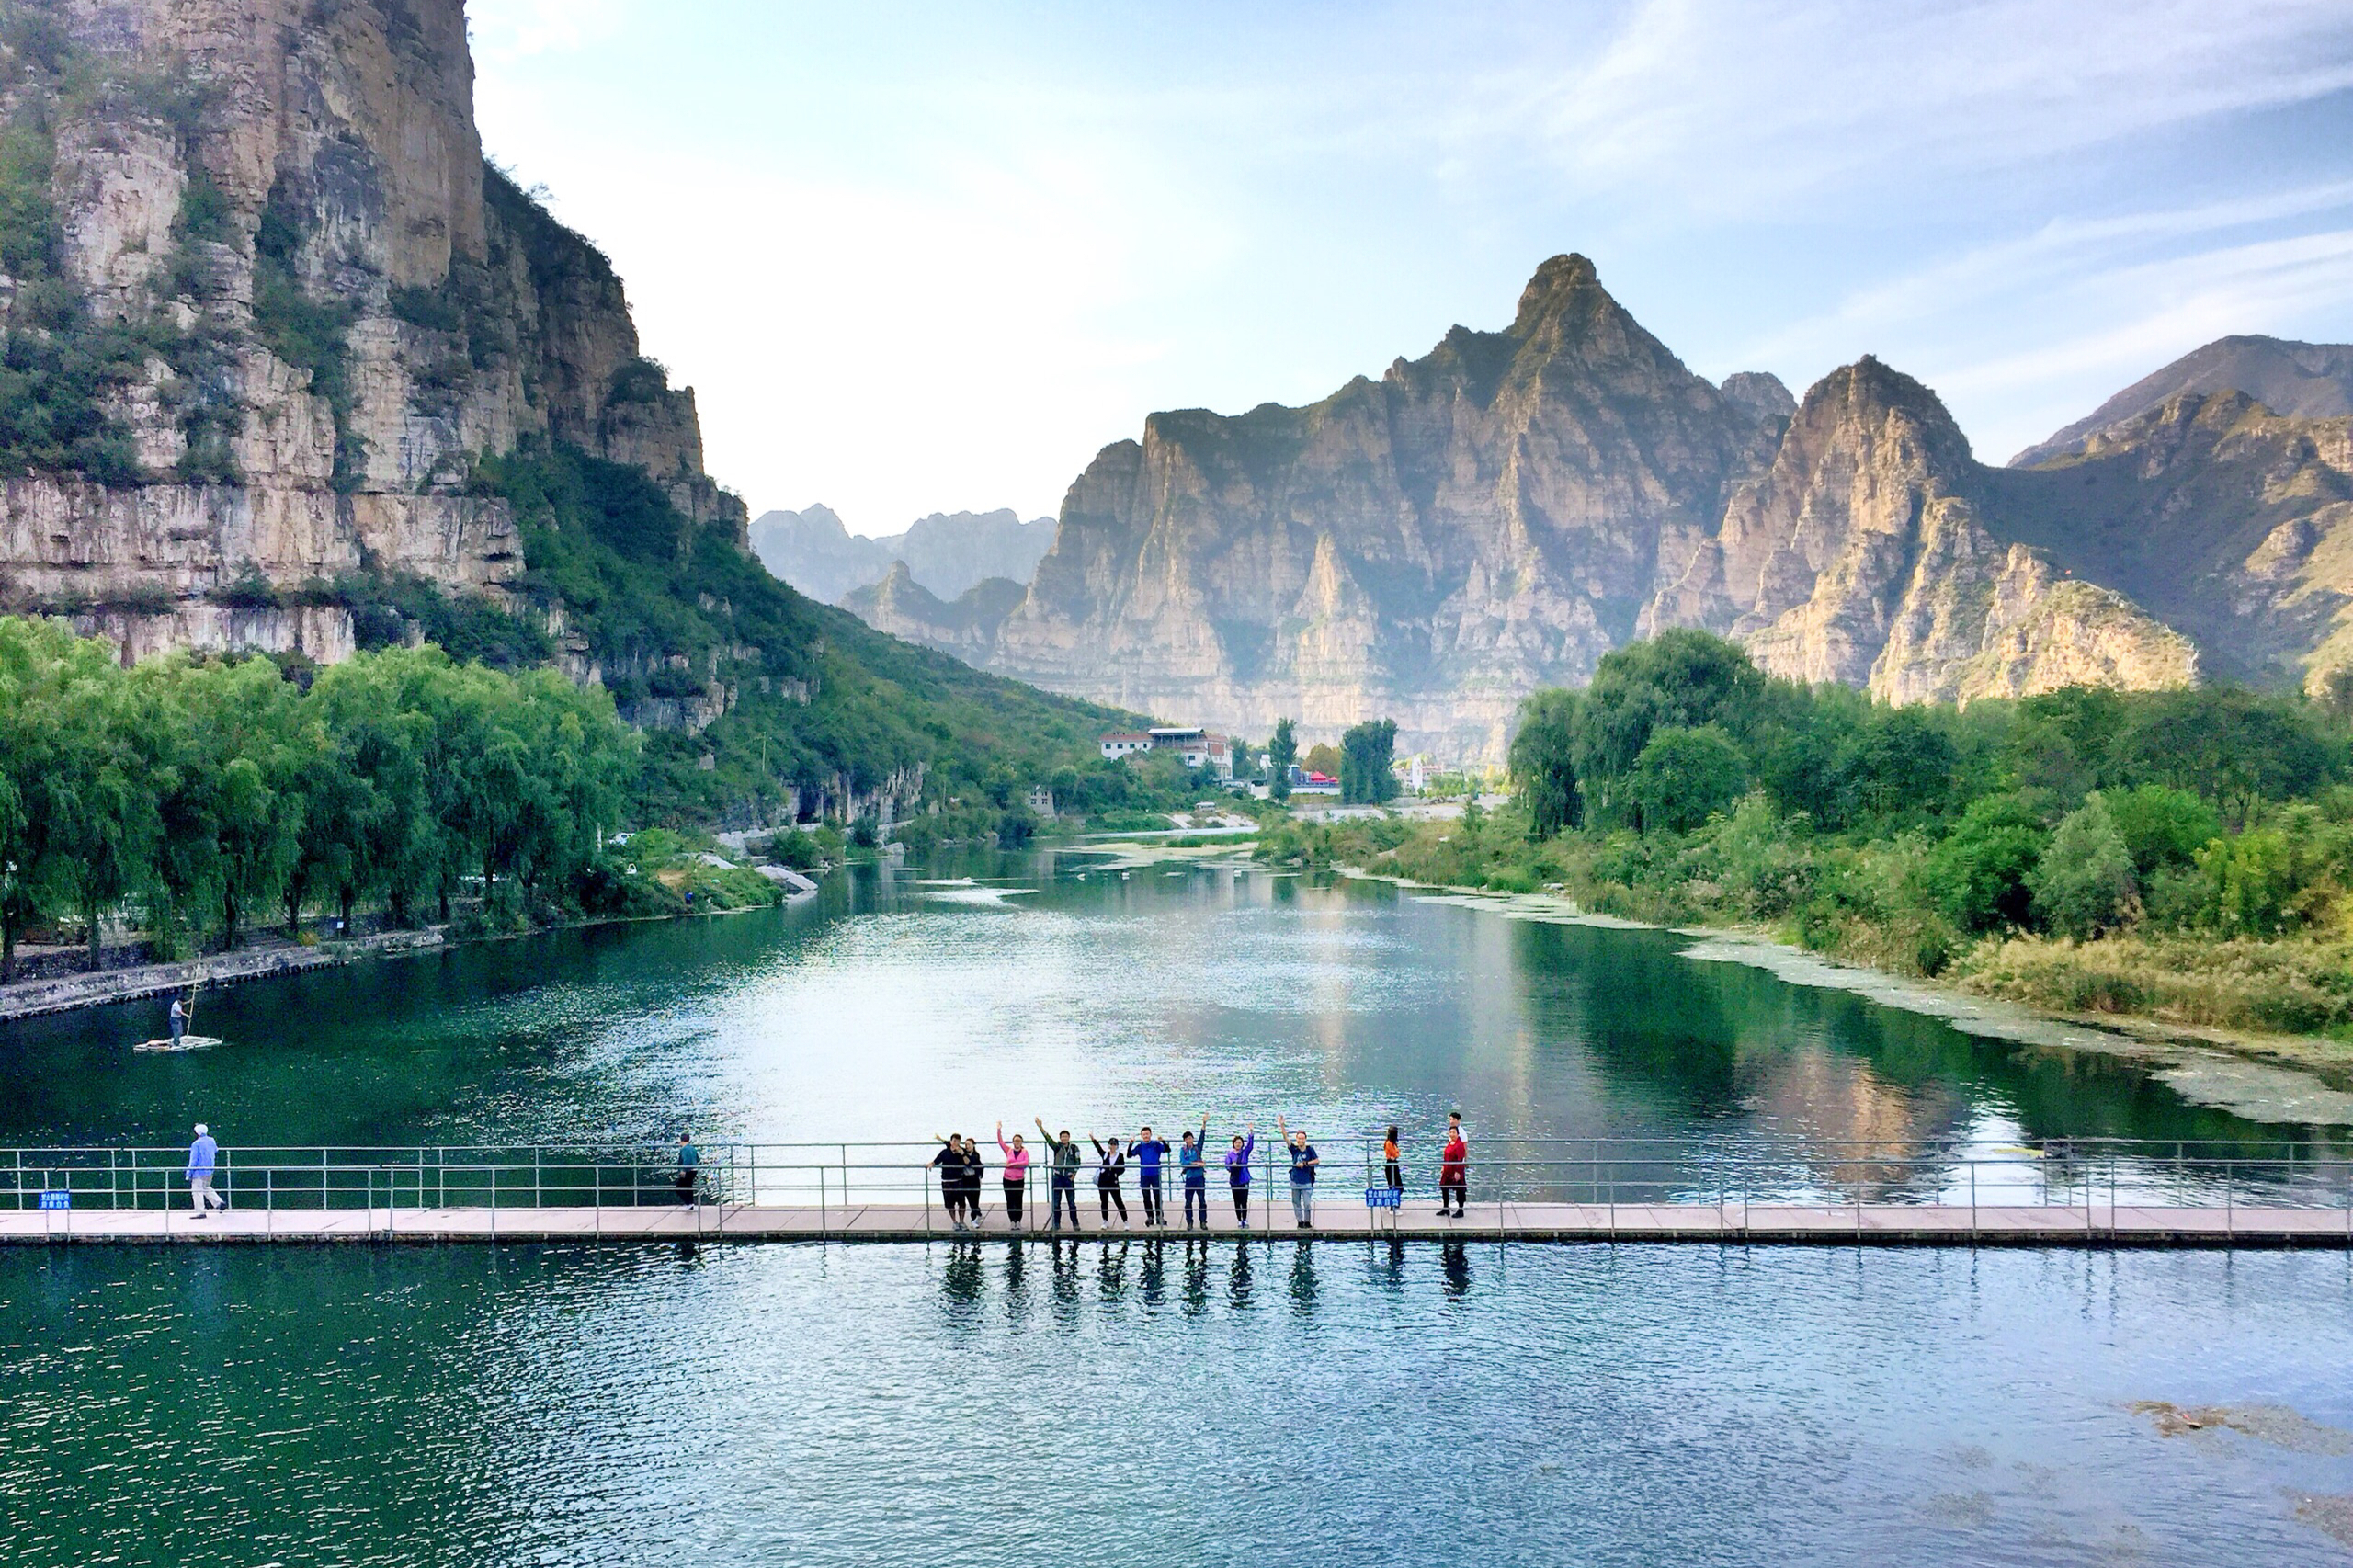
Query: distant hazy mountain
point(2300, 380)
point(946, 552)
point(816, 555)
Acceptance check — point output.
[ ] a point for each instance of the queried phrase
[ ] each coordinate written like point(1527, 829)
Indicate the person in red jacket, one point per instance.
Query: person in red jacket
point(1453, 1167)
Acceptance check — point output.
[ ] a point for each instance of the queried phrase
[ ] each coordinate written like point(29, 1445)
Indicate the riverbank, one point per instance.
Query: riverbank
point(276, 956)
point(2263, 1078)
point(32, 998)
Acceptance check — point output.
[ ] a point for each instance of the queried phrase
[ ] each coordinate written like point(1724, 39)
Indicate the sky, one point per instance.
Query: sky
point(920, 257)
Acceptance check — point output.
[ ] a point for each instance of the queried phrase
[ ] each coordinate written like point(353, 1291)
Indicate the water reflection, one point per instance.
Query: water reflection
point(1303, 1279)
point(1454, 1265)
point(1238, 1279)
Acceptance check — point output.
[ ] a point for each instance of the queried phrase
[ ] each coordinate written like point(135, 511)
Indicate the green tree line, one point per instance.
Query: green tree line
point(206, 796)
point(2206, 829)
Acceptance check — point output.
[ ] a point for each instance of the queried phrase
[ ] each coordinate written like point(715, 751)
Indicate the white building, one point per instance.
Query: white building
point(1198, 748)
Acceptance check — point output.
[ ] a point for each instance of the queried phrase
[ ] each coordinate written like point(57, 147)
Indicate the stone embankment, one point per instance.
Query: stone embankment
point(31, 998)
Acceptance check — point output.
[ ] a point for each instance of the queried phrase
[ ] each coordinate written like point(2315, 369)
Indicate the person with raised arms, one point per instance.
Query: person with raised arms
point(1237, 1170)
point(1017, 1174)
point(1111, 1166)
point(1061, 1165)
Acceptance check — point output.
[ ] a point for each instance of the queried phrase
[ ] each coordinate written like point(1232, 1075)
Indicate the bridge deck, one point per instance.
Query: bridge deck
point(1883, 1224)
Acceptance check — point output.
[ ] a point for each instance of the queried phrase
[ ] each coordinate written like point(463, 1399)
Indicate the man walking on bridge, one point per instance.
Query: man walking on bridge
point(689, 1167)
point(203, 1157)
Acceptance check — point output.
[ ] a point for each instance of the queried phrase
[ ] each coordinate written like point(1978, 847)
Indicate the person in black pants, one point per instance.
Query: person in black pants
point(1150, 1149)
point(1062, 1160)
point(949, 1162)
point(1111, 1165)
point(975, 1174)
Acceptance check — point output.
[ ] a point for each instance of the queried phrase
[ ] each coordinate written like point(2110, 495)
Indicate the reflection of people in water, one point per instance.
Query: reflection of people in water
point(1454, 1258)
point(1303, 1280)
point(1237, 1280)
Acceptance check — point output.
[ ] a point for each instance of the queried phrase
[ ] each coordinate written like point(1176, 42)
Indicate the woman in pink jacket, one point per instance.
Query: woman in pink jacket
point(1016, 1174)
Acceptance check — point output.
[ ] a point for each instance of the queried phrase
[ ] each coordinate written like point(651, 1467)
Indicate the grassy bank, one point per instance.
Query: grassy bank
point(2179, 856)
point(1868, 904)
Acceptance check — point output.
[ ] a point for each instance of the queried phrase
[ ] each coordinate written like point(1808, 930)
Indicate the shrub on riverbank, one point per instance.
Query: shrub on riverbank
point(2185, 855)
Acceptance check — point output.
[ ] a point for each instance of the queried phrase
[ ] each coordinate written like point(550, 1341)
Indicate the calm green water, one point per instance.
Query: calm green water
point(891, 1009)
point(1307, 1403)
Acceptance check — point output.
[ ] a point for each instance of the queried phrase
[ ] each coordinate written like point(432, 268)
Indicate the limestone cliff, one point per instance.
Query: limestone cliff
point(1865, 556)
point(1430, 546)
point(1497, 516)
point(312, 308)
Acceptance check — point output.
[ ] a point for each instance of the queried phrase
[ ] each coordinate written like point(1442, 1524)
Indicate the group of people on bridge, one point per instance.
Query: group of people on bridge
point(963, 1174)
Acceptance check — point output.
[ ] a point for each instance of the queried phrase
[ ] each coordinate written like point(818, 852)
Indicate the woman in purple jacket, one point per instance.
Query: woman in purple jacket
point(1237, 1173)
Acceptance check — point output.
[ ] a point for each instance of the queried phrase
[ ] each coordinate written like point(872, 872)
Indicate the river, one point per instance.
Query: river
point(1322, 1402)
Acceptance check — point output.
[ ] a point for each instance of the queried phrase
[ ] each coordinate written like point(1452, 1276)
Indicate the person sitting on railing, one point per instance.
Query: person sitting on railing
point(1017, 1174)
point(1062, 1154)
point(1303, 1161)
point(1453, 1167)
point(689, 1167)
point(1192, 1163)
point(1237, 1172)
point(1111, 1165)
point(949, 1162)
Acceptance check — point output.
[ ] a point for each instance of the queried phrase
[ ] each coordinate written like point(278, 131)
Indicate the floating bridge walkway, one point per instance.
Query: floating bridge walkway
point(2104, 1193)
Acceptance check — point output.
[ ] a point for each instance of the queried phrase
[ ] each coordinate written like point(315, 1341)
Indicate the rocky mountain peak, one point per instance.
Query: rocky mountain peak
point(2303, 380)
point(1553, 290)
point(1761, 393)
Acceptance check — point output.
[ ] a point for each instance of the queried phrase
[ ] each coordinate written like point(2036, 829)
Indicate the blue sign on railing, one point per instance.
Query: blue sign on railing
point(1384, 1198)
point(56, 1197)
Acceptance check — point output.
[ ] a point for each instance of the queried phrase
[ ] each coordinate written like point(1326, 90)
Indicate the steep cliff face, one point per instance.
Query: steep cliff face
point(2233, 522)
point(1865, 557)
point(1497, 516)
point(1429, 546)
point(311, 307)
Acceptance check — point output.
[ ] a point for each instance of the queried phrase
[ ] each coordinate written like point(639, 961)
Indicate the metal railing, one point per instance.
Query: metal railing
point(2091, 1176)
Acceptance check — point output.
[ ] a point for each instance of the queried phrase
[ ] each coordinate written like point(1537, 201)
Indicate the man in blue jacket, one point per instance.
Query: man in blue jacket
point(1149, 1150)
point(203, 1157)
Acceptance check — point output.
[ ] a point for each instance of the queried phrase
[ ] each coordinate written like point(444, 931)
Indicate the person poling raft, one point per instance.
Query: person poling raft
point(183, 1015)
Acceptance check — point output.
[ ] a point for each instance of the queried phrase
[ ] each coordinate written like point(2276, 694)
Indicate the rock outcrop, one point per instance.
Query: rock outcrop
point(343, 311)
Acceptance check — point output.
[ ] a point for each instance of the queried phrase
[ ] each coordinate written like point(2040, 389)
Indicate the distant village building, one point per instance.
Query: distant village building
point(1197, 747)
point(1307, 781)
point(1042, 802)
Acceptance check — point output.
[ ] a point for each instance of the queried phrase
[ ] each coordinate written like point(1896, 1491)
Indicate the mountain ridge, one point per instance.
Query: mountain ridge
point(1495, 516)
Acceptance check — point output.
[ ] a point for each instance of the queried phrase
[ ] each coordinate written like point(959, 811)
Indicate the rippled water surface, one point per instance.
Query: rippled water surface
point(1306, 1402)
point(1318, 1403)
